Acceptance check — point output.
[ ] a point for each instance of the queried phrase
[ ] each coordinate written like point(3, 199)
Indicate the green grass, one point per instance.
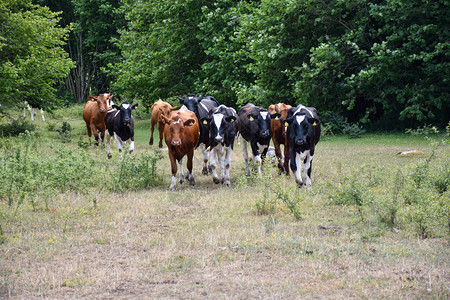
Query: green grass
point(96, 240)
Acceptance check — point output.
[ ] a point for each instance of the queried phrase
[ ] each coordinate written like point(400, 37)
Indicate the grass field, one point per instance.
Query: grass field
point(261, 238)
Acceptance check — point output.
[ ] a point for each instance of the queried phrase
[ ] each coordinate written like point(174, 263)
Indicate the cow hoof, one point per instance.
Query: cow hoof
point(205, 171)
point(172, 188)
point(192, 182)
point(131, 151)
point(227, 183)
point(109, 155)
point(216, 180)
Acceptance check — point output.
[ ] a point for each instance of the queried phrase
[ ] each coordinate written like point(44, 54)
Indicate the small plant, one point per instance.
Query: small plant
point(353, 131)
point(65, 132)
point(82, 143)
point(16, 127)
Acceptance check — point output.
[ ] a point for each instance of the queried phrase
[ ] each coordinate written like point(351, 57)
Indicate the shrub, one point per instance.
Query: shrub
point(353, 131)
point(65, 132)
point(16, 127)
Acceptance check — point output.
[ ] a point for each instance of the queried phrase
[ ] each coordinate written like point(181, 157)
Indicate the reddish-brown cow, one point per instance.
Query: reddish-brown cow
point(181, 134)
point(94, 113)
point(159, 108)
point(279, 135)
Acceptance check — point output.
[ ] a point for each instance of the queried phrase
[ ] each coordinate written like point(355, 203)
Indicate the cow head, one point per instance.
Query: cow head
point(109, 100)
point(176, 127)
point(260, 122)
point(101, 102)
point(301, 129)
point(219, 124)
point(166, 109)
point(125, 112)
point(191, 102)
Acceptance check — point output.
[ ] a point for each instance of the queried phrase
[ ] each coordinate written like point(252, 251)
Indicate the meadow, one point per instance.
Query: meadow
point(374, 224)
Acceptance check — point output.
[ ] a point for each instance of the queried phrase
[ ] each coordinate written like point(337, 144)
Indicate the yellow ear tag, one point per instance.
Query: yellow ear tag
point(276, 118)
point(232, 120)
point(205, 122)
point(286, 124)
point(315, 124)
point(251, 118)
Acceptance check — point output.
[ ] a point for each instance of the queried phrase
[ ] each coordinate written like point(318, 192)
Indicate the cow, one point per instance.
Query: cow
point(302, 134)
point(279, 135)
point(94, 113)
point(32, 108)
point(222, 132)
point(201, 107)
point(120, 124)
point(181, 133)
point(254, 127)
point(159, 108)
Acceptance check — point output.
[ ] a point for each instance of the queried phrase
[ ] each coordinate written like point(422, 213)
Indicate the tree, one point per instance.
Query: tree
point(32, 60)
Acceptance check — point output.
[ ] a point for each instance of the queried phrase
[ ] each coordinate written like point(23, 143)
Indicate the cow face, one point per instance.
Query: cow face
point(219, 126)
point(166, 109)
point(191, 102)
point(101, 102)
point(260, 123)
point(176, 128)
point(125, 112)
point(109, 101)
point(301, 129)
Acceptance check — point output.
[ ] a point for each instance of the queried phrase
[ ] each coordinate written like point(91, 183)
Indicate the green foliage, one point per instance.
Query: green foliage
point(65, 132)
point(32, 59)
point(353, 131)
point(16, 127)
point(134, 173)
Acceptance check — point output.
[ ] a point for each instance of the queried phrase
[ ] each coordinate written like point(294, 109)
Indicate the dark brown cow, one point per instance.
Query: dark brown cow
point(279, 135)
point(94, 113)
point(181, 133)
point(159, 108)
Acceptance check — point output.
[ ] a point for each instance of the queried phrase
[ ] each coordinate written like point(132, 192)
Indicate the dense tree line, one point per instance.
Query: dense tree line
point(385, 63)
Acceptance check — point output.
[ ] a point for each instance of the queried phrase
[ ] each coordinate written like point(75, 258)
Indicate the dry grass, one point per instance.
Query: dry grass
point(208, 242)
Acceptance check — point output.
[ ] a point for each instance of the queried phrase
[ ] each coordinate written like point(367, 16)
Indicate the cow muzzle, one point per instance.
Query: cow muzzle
point(265, 134)
point(300, 142)
point(102, 110)
point(176, 143)
point(218, 139)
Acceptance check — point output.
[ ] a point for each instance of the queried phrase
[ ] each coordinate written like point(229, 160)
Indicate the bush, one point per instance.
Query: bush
point(353, 131)
point(16, 127)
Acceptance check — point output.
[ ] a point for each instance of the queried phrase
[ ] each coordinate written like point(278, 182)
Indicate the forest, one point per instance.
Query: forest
point(381, 64)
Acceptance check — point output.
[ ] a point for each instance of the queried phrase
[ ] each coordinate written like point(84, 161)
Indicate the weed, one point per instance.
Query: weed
point(65, 132)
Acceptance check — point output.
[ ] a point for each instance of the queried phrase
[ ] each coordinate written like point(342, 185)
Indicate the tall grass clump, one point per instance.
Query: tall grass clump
point(274, 195)
point(136, 172)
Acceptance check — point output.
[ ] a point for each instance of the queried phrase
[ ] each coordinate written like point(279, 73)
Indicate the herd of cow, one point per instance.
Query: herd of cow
point(203, 122)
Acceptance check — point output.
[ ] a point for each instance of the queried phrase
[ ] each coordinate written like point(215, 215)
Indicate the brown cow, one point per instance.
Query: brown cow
point(279, 135)
point(159, 108)
point(181, 133)
point(94, 113)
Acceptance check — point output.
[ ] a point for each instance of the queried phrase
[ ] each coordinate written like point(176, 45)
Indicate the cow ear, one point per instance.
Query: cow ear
point(230, 119)
point(314, 121)
point(165, 119)
point(200, 97)
point(115, 106)
point(275, 116)
point(135, 105)
point(92, 98)
point(173, 108)
point(181, 100)
point(205, 121)
point(288, 122)
point(189, 122)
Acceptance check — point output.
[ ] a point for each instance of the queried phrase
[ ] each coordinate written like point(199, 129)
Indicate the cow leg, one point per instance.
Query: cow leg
point(89, 133)
point(42, 114)
point(206, 158)
point(24, 112)
point(152, 128)
point(245, 153)
point(259, 151)
point(294, 163)
point(161, 135)
point(286, 159)
point(190, 175)
point(108, 143)
point(181, 177)
point(95, 132)
point(213, 164)
point(33, 113)
point(226, 168)
point(119, 144)
point(306, 175)
point(173, 163)
point(276, 145)
point(299, 159)
point(131, 145)
point(221, 157)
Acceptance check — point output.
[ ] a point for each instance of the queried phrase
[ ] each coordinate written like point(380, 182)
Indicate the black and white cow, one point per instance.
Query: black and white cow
point(222, 132)
point(32, 108)
point(303, 134)
point(254, 127)
point(201, 106)
point(120, 124)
